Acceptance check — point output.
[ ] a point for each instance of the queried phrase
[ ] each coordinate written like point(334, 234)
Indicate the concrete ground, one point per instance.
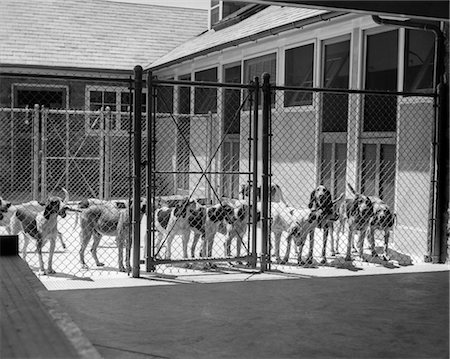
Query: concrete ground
point(397, 315)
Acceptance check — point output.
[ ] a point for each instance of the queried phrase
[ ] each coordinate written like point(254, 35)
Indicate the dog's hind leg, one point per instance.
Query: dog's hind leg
point(309, 259)
point(277, 237)
point(348, 256)
point(386, 245)
point(85, 237)
point(61, 239)
point(50, 257)
point(119, 243)
point(97, 237)
point(326, 230)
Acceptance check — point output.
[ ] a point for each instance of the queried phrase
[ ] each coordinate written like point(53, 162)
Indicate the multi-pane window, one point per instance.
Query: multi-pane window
point(183, 152)
point(419, 60)
point(257, 66)
point(336, 70)
point(299, 70)
point(380, 112)
point(164, 102)
point(232, 101)
point(205, 97)
point(110, 109)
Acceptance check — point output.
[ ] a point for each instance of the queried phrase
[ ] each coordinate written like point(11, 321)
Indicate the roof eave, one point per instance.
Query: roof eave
point(254, 37)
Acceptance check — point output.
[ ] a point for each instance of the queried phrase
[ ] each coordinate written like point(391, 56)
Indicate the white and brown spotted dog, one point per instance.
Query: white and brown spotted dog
point(322, 199)
point(276, 193)
point(206, 221)
point(40, 226)
point(383, 219)
point(236, 226)
point(106, 218)
point(171, 221)
point(356, 212)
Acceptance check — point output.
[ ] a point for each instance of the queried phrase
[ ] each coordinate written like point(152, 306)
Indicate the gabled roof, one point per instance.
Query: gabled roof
point(92, 34)
point(271, 20)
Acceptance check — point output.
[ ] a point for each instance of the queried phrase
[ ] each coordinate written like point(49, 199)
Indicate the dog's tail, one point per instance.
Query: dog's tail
point(339, 198)
point(351, 189)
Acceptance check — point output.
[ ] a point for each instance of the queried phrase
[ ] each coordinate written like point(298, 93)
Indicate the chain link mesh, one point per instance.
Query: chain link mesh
point(379, 144)
point(76, 137)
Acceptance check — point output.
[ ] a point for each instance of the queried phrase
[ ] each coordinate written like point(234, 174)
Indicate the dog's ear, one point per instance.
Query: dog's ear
point(121, 205)
point(312, 199)
point(328, 202)
point(353, 208)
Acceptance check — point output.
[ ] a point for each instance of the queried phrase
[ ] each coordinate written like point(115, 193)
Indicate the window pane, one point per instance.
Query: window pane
point(368, 170)
point(340, 168)
point(256, 67)
point(380, 112)
point(336, 75)
point(183, 138)
point(184, 96)
point(325, 176)
point(206, 98)
point(95, 96)
point(165, 99)
point(299, 68)
point(419, 60)
point(232, 102)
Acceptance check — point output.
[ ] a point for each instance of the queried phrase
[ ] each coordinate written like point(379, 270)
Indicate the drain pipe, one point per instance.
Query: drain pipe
point(437, 242)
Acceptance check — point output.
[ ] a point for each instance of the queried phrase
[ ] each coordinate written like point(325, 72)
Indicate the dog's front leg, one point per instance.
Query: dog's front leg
point(50, 256)
point(277, 236)
point(288, 249)
point(371, 238)
point(185, 240)
point(194, 243)
point(26, 240)
point(386, 245)
point(309, 259)
point(326, 230)
point(39, 245)
point(348, 256)
point(119, 243)
point(128, 252)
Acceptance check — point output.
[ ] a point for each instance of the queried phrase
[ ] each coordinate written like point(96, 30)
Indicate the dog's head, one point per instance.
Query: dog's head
point(56, 205)
point(321, 198)
point(185, 206)
point(361, 209)
point(382, 216)
point(4, 205)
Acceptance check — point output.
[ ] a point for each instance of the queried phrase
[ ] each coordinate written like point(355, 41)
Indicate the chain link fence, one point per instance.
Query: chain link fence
point(377, 145)
point(71, 134)
point(201, 156)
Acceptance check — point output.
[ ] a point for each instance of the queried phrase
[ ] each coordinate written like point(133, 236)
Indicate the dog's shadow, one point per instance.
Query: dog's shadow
point(341, 263)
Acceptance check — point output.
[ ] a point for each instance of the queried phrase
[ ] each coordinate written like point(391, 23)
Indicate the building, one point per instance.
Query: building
point(379, 142)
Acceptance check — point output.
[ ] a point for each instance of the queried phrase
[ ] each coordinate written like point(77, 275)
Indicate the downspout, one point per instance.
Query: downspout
point(439, 192)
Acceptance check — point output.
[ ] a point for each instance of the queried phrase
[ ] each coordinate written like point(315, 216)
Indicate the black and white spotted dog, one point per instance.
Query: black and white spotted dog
point(171, 221)
point(206, 221)
point(321, 200)
point(40, 226)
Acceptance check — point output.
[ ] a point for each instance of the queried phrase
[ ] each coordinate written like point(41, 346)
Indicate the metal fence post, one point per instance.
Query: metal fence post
point(255, 174)
point(36, 146)
point(44, 117)
point(136, 221)
point(150, 255)
point(265, 234)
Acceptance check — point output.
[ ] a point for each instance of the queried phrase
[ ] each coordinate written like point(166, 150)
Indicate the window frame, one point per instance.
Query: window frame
point(118, 113)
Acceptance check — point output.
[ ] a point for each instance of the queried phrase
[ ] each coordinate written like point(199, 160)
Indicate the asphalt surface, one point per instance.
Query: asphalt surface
point(377, 316)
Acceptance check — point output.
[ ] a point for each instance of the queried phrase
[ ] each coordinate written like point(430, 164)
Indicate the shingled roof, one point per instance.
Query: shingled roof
point(92, 34)
point(267, 22)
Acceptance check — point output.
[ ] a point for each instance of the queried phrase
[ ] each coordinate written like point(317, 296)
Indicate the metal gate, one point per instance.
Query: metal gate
point(202, 152)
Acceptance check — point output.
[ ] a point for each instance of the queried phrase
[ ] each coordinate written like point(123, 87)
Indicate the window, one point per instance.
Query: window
point(184, 96)
point(47, 97)
point(419, 60)
point(232, 102)
point(165, 99)
point(205, 97)
point(380, 112)
point(257, 66)
point(112, 106)
point(336, 69)
point(299, 69)
point(378, 171)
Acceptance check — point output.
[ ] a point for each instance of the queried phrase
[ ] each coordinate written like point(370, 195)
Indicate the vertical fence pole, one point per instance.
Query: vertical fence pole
point(254, 185)
point(149, 255)
point(44, 117)
point(36, 140)
point(265, 234)
point(108, 122)
point(101, 195)
point(137, 170)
